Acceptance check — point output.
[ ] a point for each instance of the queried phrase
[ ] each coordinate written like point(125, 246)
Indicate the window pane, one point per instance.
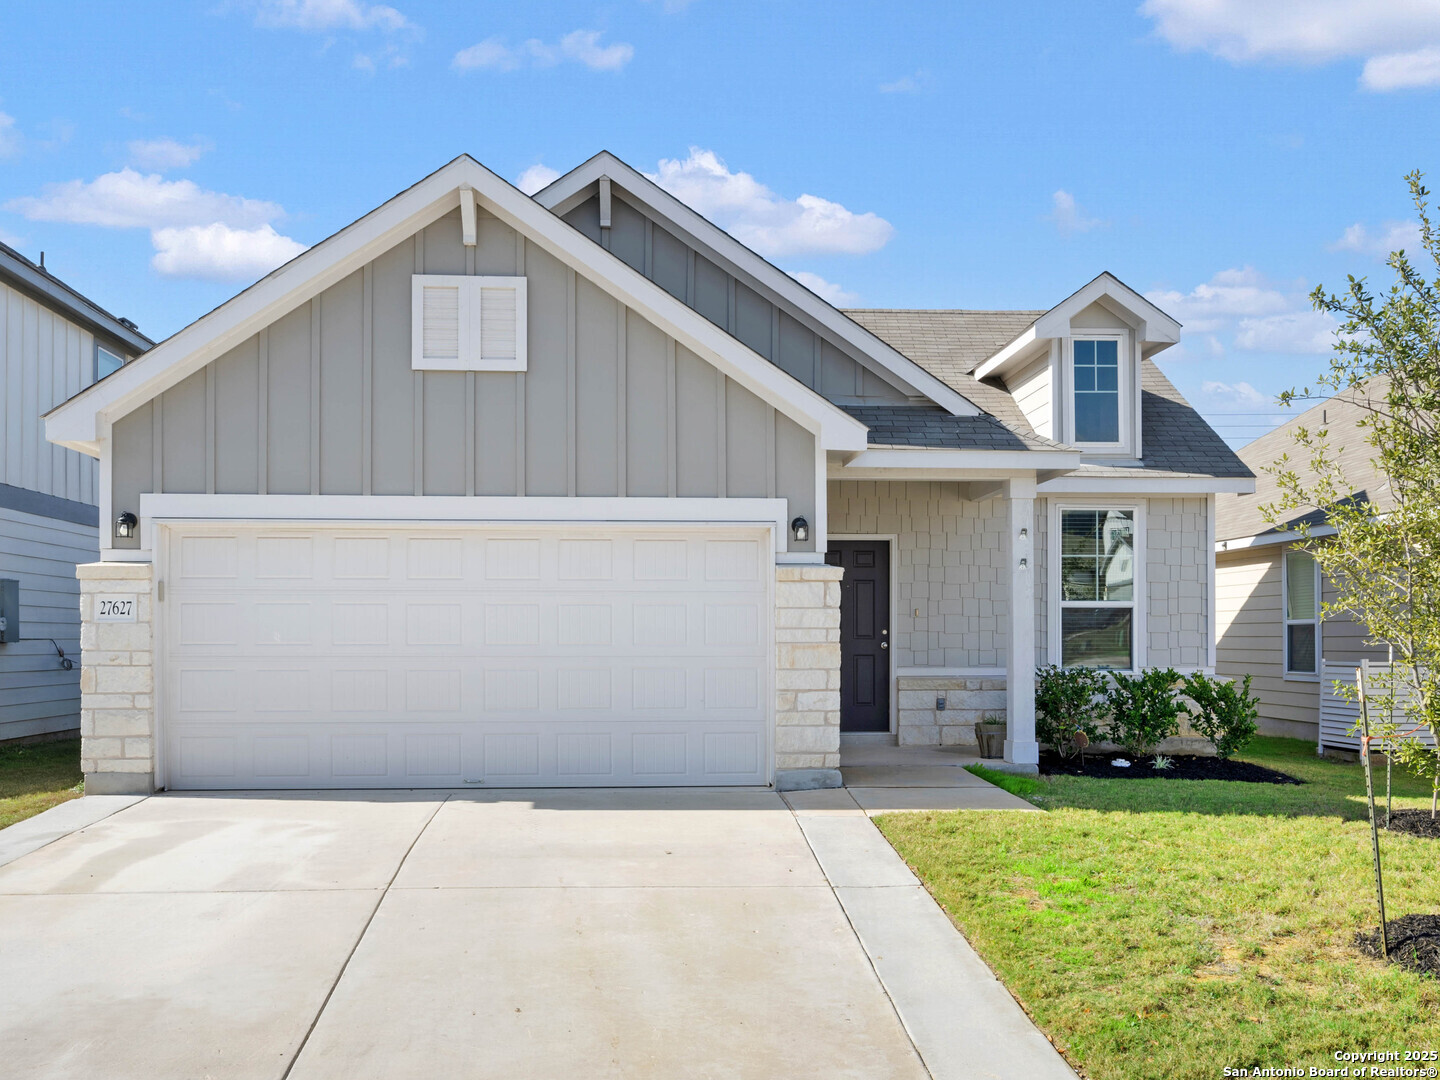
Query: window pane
point(1117, 541)
point(1080, 577)
point(1095, 637)
point(1080, 532)
point(1299, 585)
point(1097, 416)
point(1107, 353)
point(106, 362)
point(1084, 353)
point(1107, 378)
point(1300, 648)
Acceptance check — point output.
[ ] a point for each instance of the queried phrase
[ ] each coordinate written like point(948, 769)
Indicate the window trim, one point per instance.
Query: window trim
point(95, 375)
point(1124, 389)
point(1286, 622)
point(1054, 604)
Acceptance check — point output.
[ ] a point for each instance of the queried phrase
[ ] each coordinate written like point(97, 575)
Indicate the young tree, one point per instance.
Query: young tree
point(1385, 564)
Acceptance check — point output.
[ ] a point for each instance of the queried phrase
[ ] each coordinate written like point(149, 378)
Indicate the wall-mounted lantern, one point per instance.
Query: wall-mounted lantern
point(801, 529)
point(125, 525)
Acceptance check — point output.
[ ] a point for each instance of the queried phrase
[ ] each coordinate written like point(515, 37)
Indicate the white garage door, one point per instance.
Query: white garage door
point(324, 656)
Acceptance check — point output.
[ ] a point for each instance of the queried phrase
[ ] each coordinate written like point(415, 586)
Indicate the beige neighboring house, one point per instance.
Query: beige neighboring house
point(1270, 589)
point(491, 490)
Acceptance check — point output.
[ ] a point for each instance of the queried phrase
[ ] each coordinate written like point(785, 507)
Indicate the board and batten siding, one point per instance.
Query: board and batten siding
point(37, 695)
point(46, 359)
point(758, 320)
point(324, 402)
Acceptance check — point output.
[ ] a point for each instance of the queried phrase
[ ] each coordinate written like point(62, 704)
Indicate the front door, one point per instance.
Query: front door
point(864, 633)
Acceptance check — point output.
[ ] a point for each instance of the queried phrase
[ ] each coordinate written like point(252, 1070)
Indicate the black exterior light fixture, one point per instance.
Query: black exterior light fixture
point(801, 528)
point(125, 525)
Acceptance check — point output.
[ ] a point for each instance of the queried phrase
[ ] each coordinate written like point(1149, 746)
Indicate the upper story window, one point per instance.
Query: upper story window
point(106, 362)
point(1096, 375)
point(1302, 613)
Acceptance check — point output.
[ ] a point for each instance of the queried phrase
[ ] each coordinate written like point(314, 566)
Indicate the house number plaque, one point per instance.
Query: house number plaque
point(110, 607)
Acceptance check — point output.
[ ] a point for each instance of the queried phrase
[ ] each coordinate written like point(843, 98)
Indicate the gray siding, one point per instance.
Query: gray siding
point(44, 359)
point(762, 322)
point(324, 402)
point(1177, 574)
point(37, 695)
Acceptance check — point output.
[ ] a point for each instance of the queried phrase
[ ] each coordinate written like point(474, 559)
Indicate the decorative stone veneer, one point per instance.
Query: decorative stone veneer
point(968, 698)
point(117, 683)
point(807, 676)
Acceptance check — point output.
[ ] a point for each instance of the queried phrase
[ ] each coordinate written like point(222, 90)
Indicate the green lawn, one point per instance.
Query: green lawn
point(36, 777)
point(1174, 927)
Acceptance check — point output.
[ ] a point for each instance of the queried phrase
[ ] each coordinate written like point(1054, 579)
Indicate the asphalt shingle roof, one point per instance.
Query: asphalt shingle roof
point(1175, 439)
point(931, 426)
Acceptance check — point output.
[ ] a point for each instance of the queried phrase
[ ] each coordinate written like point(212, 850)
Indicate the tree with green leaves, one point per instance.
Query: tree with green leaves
point(1384, 561)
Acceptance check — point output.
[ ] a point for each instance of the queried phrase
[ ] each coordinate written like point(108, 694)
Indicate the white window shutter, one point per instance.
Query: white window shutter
point(463, 323)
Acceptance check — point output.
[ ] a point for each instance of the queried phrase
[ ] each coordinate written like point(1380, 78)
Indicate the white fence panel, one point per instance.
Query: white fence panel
point(1338, 715)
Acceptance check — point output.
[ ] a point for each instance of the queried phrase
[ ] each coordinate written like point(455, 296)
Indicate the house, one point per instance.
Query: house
point(53, 343)
point(1270, 589)
point(576, 490)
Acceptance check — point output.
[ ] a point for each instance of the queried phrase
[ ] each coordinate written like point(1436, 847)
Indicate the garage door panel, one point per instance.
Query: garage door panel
point(332, 657)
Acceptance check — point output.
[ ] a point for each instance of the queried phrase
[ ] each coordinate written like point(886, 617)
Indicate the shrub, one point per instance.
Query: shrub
point(1224, 711)
point(1068, 701)
point(1144, 709)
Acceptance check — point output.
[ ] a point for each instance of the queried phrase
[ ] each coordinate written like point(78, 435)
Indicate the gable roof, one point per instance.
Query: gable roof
point(1176, 440)
point(1239, 516)
point(37, 282)
point(80, 422)
point(574, 188)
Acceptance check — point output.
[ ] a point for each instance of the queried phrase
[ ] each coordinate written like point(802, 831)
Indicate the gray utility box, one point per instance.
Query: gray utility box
point(9, 610)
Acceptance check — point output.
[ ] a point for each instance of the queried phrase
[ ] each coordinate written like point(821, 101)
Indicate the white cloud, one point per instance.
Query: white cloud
point(1068, 216)
point(579, 46)
point(1396, 38)
point(1390, 236)
point(219, 253)
point(671, 7)
point(196, 233)
point(9, 136)
point(827, 290)
point(907, 84)
point(128, 199)
point(1255, 313)
point(329, 15)
point(1240, 393)
point(1303, 332)
point(1402, 71)
point(162, 154)
point(536, 177)
point(763, 220)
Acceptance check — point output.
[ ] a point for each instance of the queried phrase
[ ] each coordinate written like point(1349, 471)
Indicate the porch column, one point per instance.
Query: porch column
point(1021, 749)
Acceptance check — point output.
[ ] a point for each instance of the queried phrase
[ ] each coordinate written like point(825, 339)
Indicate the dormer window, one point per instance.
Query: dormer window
point(1099, 379)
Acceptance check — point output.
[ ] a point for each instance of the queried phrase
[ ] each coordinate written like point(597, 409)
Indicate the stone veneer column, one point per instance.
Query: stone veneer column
point(807, 677)
point(117, 683)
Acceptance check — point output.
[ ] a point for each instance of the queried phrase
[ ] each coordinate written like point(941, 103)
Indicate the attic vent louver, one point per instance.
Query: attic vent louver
point(462, 323)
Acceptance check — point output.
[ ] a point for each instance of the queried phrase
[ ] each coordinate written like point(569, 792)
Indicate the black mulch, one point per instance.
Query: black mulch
point(1183, 767)
point(1415, 822)
point(1414, 942)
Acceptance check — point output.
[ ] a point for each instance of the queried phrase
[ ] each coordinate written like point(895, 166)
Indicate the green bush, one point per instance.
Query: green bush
point(1068, 701)
point(1224, 711)
point(1144, 709)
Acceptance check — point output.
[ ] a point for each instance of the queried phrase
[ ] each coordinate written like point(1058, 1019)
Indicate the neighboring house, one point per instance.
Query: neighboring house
point(53, 343)
point(499, 491)
point(1270, 589)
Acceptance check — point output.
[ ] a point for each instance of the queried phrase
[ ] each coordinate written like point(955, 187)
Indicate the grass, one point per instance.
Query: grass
point(1016, 784)
point(36, 777)
point(1175, 927)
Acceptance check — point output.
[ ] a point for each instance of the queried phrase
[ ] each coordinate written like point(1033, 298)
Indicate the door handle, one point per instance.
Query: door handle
point(884, 644)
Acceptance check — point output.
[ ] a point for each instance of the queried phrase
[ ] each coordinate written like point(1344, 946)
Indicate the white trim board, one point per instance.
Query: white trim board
point(76, 423)
point(570, 190)
point(1080, 484)
point(442, 510)
point(1242, 543)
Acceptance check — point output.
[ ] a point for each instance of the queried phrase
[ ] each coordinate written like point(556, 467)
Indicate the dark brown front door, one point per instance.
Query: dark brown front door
point(864, 633)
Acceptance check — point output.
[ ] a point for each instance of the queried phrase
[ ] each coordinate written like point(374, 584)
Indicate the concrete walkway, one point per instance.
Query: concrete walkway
point(883, 779)
point(640, 933)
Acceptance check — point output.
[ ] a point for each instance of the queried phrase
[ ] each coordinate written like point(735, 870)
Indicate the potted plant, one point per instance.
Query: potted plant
point(990, 734)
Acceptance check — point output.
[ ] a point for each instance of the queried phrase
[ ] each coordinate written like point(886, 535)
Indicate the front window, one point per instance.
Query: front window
point(106, 362)
point(1097, 390)
point(1302, 613)
point(1097, 588)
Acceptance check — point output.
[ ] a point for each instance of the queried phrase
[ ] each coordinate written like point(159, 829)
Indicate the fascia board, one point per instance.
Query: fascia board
point(1143, 485)
point(1271, 539)
point(930, 460)
point(567, 192)
point(75, 423)
point(1028, 344)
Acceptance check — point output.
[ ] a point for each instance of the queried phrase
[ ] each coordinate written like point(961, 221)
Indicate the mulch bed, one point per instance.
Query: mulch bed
point(1184, 767)
point(1414, 822)
point(1414, 942)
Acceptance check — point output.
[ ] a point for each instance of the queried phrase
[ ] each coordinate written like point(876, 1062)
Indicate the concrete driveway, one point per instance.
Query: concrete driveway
point(649, 933)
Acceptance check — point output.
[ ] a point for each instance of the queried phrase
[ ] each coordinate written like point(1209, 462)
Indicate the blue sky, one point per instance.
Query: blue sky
point(1222, 156)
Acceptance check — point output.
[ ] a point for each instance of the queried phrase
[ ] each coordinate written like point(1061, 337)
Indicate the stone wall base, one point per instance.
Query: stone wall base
point(113, 783)
point(807, 670)
point(807, 779)
point(117, 683)
point(968, 699)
